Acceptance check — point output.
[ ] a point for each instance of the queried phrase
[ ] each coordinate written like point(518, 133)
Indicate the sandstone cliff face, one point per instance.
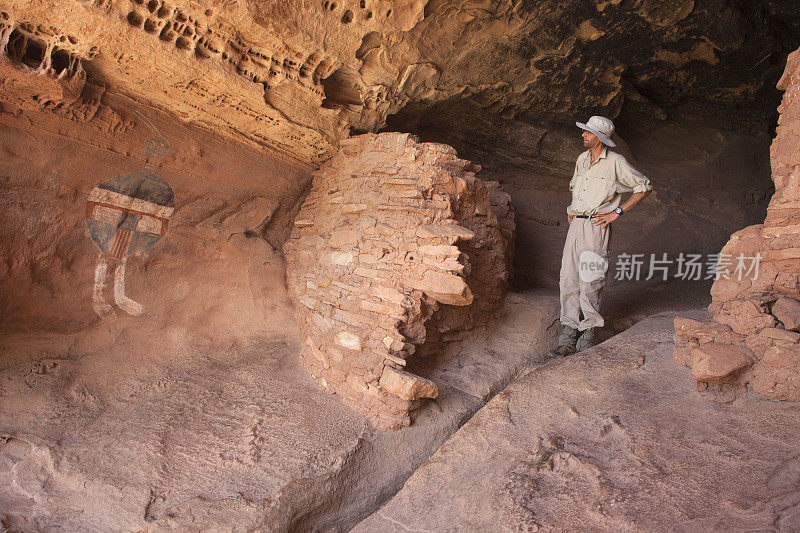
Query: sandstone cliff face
point(689, 82)
point(271, 88)
point(397, 242)
point(296, 77)
point(163, 388)
point(753, 337)
point(213, 273)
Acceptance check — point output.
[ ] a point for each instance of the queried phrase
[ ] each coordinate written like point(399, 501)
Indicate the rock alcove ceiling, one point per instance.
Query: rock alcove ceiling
point(182, 348)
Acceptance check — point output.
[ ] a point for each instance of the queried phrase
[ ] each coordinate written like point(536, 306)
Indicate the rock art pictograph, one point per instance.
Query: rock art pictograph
point(397, 243)
point(125, 215)
point(753, 337)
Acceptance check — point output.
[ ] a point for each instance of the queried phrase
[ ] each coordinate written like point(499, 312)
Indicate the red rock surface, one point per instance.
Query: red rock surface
point(502, 82)
point(176, 399)
point(749, 310)
point(610, 439)
point(718, 362)
point(787, 311)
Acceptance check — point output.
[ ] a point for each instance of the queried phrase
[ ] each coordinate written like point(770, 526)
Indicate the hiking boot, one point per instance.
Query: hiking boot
point(566, 343)
point(587, 340)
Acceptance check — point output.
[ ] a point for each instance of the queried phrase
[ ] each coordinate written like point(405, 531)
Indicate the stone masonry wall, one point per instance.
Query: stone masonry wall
point(397, 241)
point(753, 337)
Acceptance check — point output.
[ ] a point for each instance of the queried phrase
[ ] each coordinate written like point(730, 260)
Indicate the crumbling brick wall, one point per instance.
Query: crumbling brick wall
point(397, 240)
point(753, 337)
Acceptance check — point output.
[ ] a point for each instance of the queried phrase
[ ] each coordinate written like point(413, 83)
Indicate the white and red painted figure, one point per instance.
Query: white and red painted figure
point(127, 214)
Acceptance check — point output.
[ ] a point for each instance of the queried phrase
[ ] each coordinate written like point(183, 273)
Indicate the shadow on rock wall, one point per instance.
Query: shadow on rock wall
point(708, 181)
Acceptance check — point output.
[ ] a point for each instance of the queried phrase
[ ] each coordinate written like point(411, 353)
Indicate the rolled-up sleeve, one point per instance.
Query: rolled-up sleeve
point(574, 174)
point(572, 181)
point(630, 178)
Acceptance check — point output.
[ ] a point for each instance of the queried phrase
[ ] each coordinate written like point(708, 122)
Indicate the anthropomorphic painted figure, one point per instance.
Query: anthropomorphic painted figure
point(127, 214)
point(600, 179)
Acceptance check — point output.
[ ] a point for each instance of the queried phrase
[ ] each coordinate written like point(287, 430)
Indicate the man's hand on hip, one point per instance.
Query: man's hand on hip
point(569, 219)
point(604, 219)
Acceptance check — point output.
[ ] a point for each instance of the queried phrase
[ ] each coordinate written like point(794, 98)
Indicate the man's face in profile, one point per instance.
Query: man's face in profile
point(589, 139)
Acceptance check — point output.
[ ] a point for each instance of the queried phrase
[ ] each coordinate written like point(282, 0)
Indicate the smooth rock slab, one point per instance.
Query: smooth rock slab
point(136, 433)
point(603, 440)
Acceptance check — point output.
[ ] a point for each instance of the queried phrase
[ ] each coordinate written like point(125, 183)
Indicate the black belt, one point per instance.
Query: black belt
point(583, 216)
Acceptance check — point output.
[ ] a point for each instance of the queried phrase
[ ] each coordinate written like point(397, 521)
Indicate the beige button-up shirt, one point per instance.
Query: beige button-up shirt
point(598, 187)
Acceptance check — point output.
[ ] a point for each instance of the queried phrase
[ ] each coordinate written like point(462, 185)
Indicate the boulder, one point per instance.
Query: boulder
point(406, 385)
point(717, 362)
point(787, 310)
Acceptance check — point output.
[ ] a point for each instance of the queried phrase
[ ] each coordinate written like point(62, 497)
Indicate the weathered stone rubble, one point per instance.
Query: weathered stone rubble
point(397, 242)
point(754, 333)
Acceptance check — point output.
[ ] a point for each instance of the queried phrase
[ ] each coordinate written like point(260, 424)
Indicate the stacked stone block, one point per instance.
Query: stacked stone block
point(753, 337)
point(392, 234)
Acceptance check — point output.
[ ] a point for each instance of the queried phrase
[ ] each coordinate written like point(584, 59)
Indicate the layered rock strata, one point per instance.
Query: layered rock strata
point(295, 77)
point(397, 241)
point(753, 337)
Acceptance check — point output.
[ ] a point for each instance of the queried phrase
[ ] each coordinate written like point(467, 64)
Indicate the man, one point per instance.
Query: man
point(601, 177)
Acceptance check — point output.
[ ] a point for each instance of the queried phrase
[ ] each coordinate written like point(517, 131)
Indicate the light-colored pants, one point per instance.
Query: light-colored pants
point(581, 293)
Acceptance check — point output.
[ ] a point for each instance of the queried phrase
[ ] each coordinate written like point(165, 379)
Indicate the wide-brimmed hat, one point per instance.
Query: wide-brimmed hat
point(600, 126)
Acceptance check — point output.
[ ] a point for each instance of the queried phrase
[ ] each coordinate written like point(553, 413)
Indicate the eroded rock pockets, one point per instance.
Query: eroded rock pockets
point(200, 32)
point(753, 336)
point(38, 49)
point(397, 242)
point(47, 54)
point(42, 70)
point(289, 72)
